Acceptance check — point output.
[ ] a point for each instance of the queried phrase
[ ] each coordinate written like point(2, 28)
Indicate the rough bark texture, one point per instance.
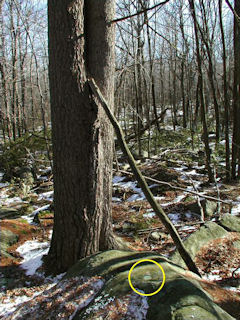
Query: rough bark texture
point(226, 97)
point(236, 95)
point(143, 184)
point(81, 43)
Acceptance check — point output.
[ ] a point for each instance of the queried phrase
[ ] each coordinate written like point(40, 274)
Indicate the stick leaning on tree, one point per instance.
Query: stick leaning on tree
point(142, 182)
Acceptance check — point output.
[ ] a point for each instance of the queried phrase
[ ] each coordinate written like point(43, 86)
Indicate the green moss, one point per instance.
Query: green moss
point(182, 296)
point(23, 220)
point(189, 199)
point(24, 232)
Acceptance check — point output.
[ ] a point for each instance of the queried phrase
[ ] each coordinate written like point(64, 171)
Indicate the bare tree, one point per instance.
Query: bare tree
point(202, 104)
point(81, 44)
point(236, 95)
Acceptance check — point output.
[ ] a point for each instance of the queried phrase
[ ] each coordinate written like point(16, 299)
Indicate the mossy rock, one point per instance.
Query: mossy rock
point(236, 244)
point(7, 239)
point(15, 156)
point(16, 211)
point(161, 173)
point(9, 213)
point(210, 231)
point(182, 296)
point(231, 223)
point(209, 207)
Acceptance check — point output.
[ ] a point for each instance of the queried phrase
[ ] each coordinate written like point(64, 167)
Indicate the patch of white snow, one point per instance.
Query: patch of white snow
point(32, 252)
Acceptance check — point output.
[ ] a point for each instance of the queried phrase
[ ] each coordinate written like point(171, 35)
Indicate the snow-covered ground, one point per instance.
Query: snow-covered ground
point(32, 253)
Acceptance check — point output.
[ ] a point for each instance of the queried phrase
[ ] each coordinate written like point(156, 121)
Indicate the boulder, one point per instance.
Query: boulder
point(7, 238)
point(209, 207)
point(182, 296)
point(26, 174)
point(208, 232)
point(155, 236)
point(158, 236)
point(231, 223)
point(8, 213)
point(97, 287)
point(16, 210)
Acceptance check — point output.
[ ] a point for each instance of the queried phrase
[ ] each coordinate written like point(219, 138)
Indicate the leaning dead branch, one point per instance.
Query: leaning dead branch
point(97, 96)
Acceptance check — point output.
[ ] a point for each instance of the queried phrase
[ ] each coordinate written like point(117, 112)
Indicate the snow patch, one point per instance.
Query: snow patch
point(9, 305)
point(236, 208)
point(8, 201)
point(176, 200)
point(40, 209)
point(213, 276)
point(174, 217)
point(117, 179)
point(32, 252)
point(3, 185)
point(150, 214)
point(115, 199)
point(46, 195)
point(131, 185)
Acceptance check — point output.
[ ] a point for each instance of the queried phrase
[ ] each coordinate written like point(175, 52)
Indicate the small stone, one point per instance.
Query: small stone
point(155, 236)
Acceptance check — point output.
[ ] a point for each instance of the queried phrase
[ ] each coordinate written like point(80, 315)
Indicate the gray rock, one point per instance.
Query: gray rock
point(236, 244)
point(7, 238)
point(26, 174)
point(198, 239)
point(232, 223)
point(209, 207)
point(128, 226)
point(155, 236)
point(182, 296)
point(8, 213)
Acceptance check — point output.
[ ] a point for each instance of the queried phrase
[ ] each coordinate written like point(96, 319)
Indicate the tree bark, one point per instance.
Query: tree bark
point(81, 43)
point(143, 184)
point(225, 92)
point(202, 104)
point(5, 112)
point(236, 95)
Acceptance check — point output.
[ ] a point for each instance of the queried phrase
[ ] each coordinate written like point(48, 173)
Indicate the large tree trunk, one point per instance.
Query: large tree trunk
point(81, 44)
point(5, 112)
point(225, 93)
point(236, 96)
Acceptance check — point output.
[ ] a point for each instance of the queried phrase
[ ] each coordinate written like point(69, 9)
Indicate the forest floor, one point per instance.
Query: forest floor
point(29, 215)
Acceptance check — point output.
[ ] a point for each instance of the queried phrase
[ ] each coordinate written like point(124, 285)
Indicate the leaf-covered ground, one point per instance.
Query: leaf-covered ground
point(22, 276)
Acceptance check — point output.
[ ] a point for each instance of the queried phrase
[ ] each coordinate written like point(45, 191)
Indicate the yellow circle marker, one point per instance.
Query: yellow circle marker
point(146, 294)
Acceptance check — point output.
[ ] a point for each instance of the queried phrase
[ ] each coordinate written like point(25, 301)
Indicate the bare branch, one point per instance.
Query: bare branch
point(140, 12)
point(233, 11)
point(229, 203)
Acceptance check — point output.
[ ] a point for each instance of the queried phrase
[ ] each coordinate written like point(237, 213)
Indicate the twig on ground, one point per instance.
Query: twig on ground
point(180, 188)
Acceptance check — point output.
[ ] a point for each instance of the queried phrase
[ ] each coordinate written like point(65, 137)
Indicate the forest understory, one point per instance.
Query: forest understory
point(179, 184)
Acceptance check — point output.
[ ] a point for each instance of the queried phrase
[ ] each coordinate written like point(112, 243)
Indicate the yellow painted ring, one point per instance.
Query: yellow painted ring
point(146, 294)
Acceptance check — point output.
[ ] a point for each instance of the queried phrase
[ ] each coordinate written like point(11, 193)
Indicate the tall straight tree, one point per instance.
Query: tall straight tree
point(81, 44)
point(236, 94)
point(201, 96)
